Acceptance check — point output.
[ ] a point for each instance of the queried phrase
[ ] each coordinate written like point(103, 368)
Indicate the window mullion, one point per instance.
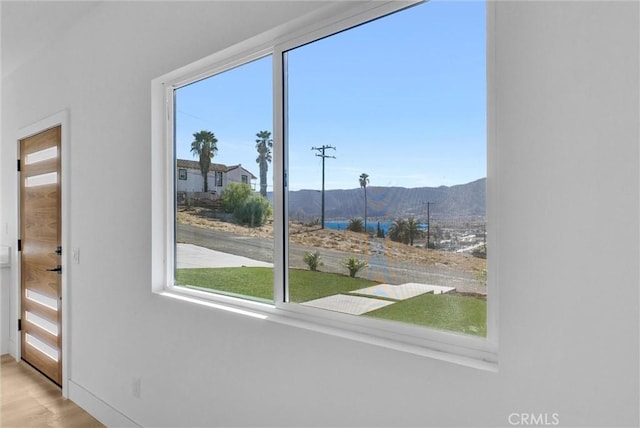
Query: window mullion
point(281, 250)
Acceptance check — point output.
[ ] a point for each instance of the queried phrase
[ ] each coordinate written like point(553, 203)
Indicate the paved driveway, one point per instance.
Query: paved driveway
point(193, 256)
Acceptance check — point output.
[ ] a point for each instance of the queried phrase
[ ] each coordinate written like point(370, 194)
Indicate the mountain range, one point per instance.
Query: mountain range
point(459, 202)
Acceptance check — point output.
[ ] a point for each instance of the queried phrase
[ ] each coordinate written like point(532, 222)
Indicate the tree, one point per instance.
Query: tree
point(355, 225)
point(413, 230)
point(204, 146)
point(364, 180)
point(264, 144)
point(405, 231)
point(398, 231)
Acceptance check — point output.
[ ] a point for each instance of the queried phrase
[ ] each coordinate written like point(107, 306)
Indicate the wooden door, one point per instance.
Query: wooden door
point(40, 234)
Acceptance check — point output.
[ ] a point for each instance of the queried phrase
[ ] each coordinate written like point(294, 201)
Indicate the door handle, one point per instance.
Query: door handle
point(56, 269)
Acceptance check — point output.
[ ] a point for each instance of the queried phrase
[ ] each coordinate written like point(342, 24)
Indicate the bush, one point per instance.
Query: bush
point(312, 260)
point(355, 225)
point(482, 276)
point(480, 252)
point(254, 211)
point(354, 265)
point(234, 196)
point(247, 207)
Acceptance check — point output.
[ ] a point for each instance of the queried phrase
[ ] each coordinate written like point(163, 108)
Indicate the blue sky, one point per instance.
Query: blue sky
point(402, 99)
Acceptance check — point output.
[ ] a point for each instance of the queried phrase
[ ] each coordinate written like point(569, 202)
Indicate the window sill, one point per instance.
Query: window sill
point(454, 348)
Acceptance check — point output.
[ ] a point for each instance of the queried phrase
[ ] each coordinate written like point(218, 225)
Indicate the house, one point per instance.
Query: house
point(563, 179)
point(189, 179)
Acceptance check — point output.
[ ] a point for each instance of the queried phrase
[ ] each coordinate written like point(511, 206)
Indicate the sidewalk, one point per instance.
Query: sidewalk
point(192, 256)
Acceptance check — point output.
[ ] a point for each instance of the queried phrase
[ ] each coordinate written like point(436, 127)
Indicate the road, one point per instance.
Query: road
point(381, 268)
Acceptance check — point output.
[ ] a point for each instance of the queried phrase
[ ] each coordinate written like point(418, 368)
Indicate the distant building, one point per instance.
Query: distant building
point(189, 180)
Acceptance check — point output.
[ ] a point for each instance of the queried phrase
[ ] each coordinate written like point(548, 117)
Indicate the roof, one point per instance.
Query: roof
point(253, 177)
point(191, 164)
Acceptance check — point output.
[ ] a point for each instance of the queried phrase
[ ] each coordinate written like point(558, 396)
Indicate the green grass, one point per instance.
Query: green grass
point(254, 282)
point(445, 312)
point(462, 314)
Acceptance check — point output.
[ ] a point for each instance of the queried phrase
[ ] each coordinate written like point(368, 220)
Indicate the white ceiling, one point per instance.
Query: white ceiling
point(28, 26)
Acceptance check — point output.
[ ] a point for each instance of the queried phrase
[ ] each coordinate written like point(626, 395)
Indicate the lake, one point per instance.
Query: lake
point(384, 225)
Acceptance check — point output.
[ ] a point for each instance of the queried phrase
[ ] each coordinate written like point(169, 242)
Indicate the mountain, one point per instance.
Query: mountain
point(460, 202)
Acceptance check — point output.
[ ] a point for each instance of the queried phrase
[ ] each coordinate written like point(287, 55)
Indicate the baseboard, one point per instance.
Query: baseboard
point(13, 349)
point(98, 408)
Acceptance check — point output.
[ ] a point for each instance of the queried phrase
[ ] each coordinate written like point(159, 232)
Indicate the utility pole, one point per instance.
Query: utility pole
point(428, 222)
point(321, 153)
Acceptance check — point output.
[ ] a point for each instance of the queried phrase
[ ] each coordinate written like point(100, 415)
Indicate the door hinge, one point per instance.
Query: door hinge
point(19, 325)
point(18, 164)
point(19, 244)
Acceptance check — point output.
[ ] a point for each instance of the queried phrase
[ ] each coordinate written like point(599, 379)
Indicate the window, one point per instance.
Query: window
point(368, 135)
point(386, 136)
point(182, 174)
point(209, 255)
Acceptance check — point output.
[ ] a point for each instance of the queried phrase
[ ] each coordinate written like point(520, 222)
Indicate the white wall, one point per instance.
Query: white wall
point(568, 185)
point(195, 182)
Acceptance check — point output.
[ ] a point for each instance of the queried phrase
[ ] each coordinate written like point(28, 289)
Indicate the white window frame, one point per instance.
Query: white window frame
point(454, 347)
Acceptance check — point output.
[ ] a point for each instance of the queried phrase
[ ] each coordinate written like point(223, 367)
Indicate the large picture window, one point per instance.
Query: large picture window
point(386, 139)
point(339, 175)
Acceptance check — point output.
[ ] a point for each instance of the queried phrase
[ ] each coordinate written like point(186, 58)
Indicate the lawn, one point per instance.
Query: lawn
point(446, 312)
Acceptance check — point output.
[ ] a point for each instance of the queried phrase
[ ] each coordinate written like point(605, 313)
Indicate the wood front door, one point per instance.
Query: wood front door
point(40, 235)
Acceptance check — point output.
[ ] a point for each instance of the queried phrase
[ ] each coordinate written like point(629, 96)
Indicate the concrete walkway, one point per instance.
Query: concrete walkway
point(358, 305)
point(354, 305)
point(192, 256)
point(403, 291)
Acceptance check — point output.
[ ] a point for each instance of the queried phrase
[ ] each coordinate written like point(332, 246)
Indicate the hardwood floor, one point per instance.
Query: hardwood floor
point(28, 399)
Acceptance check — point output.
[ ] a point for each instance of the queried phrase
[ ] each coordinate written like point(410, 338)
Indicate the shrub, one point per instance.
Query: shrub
point(312, 260)
point(354, 265)
point(235, 195)
point(253, 211)
point(355, 225)
point(480, 252)
point(482, 276)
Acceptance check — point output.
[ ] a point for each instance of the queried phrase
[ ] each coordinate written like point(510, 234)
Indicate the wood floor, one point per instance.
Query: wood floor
point(28, 399)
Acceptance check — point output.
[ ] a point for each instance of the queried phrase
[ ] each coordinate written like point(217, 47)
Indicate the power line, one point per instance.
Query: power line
point(321, 153)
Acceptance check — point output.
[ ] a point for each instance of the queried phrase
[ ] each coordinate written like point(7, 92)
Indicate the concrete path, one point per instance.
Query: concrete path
point(402, 291)
point(192, 256)
point(354, 305)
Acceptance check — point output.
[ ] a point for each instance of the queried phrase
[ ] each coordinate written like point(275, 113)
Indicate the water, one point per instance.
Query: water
point(384, 225)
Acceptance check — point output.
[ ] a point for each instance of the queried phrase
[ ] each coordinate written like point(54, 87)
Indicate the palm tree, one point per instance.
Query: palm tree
point(264, 144)
point(413, 230)
point(398, 231)
point(204, 146)
point(364, 180)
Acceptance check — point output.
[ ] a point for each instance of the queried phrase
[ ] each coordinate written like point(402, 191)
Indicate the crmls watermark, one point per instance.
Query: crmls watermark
point(534, 419)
